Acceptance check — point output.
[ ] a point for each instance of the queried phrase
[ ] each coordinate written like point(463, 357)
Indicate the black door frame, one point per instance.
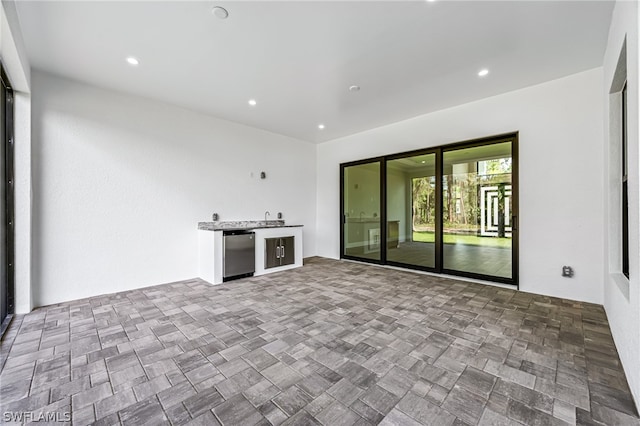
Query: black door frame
point(439, 240)
point(383, 213)
point(438, 224)
point(9, 179)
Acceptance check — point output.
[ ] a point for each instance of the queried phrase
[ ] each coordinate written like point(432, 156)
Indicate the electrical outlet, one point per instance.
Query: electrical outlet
point(567, 271)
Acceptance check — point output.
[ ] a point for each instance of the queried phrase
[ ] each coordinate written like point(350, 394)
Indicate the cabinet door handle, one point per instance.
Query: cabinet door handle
point(277, 252)
point(282, 250)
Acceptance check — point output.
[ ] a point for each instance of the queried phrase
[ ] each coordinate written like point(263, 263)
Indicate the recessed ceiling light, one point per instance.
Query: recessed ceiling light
point(423, 161)
point(220, 12)
point(431, 1)
point(132, 61)
point(320, 126)
point(252, 102)
point(354, 88)
point(483, 72)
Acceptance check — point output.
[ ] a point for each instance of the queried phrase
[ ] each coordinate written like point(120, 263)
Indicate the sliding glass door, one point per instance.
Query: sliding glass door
point(450, 209)
point(361, 222)
point(412, 207)
point(477, 210)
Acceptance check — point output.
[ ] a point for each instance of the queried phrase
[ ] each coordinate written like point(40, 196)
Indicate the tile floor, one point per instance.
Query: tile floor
point(332, 343)
point(494, 261)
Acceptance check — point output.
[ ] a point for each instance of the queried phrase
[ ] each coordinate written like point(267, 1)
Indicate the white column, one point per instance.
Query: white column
point(22, 167)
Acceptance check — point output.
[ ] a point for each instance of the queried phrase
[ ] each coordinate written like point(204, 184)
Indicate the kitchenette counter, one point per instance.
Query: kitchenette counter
point(273, 239)
point(243, 225)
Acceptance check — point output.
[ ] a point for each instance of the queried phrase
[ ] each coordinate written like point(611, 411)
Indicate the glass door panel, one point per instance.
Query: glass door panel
point(362, 232)
point(411, 210)
point(477, 210)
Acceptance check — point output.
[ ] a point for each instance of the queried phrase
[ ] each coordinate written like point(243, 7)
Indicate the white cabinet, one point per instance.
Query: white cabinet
point(210, 256)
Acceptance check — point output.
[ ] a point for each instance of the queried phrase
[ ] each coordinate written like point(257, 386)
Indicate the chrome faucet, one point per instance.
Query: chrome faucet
point(266, 214)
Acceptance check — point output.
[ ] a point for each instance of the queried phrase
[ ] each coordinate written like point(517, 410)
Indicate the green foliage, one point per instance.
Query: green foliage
point(424, 199)
point(498, 166)
point(460, 193)
point(429, 237)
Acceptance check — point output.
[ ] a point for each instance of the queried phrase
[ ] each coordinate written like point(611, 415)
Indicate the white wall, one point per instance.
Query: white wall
point(561, 211)
point(23, 208)
point(622, 295)
point(120, 183)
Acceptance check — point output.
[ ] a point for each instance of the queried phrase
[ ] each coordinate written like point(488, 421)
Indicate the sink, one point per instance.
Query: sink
point(271, 223)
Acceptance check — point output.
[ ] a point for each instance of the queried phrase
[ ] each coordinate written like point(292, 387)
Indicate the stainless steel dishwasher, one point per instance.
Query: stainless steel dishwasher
point(239, 254)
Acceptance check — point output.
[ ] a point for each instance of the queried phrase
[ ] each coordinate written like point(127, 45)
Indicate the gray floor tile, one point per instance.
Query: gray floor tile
point(233, 367)
point(366, 412)
point(151, 387)
point(89, 396)
point(237, 411)
point(260, 359)
point(379, 399)
point(202, 373)
point(530, 416)
point(176, 394)
point(177, 414)
point(424, 411)
point(612, 398)
point(114, 403)
point(202, 402)
point(83, 416)
point(491, 418)
point(345, 391)
point(398, 381)
point(332, 342)
point(466, 405)
point(529, 397)
point(301, 419)
point(477, 381)
point(319, 404)
point(261, 392)
point(205, 419)
point(272, 413)
point(281, 375)
point(292, 400)
point(314, 384)
point(147, 411)
point(609, 416)
point(398, 418)
point(337, 414)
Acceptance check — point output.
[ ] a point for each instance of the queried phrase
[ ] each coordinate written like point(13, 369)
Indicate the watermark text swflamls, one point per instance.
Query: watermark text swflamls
point(42, 416)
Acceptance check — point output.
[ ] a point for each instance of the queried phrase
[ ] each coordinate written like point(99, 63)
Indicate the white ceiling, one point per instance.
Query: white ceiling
point(298, 58)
